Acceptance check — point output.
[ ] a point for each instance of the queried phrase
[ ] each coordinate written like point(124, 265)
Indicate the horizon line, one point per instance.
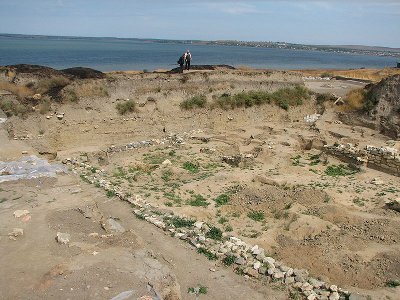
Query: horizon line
point(198, 40)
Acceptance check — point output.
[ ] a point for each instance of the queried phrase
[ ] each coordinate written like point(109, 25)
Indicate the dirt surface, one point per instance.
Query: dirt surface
point(278, 193)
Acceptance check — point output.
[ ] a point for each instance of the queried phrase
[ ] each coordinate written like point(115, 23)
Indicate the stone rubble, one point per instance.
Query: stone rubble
point(250, 260)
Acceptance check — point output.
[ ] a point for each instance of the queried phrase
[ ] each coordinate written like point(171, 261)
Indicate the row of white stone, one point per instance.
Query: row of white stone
point(251, 259)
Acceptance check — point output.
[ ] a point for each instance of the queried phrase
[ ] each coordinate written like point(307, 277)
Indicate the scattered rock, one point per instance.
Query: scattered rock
point(240, 261)
point(112, 226)
point(167, 162)
point(16, 232)
point(63, 238)
point(21, 213)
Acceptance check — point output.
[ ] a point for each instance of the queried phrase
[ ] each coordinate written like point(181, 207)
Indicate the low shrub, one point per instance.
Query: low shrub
point(199, 101)
point(191, 167)
point(222, 199)
point(325, 97)
point(340, 170)
point(256, 215)
point(126, 107)
point(229, 260)
point(198, 200)
point(284, 98)
point(355, 100)
point(208, 254)
point(214, 233)
point(12, 108)
point(20, 91)
point(53, 83)
point(44, 106)
point(180, 222)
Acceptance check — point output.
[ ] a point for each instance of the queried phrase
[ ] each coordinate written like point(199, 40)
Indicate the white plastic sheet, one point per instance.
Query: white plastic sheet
point(29, 167)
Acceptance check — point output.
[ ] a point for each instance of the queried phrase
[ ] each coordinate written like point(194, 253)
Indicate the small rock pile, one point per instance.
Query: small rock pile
point(172, 139)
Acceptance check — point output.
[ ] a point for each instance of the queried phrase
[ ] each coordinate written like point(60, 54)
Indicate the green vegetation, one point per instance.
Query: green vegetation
point(191, 167)
point(11, 108)
point(194, 102)
point(214, 233)
point(321, 98)
point(222, 220)
point(222, 199)
point(49, 85)
point(326, 74)
point(340, 170)
point(359, 201)
point(198, 200)
point(198, 290)
point(181, 222)
point(206, 253)
point(257, 216)
point(228, 228)
point(110, 194)
point(126, 107)
point(393, 283)
point(284, 98)
point(371, 99)
point(166, 176)
point(229, 260)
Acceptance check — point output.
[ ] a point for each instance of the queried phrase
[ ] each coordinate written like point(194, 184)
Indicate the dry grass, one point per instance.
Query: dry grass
point(354, 100)
point(91, 89)
point(18, 90)
point(44, 105)
point(374, 75)
point(48, 84)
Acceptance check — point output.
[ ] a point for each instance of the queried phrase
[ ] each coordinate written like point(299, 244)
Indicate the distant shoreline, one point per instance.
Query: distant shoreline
point(344, 49)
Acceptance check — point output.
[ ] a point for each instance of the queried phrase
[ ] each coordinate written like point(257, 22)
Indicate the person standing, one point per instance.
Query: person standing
point(181, 61)
point(188, 59)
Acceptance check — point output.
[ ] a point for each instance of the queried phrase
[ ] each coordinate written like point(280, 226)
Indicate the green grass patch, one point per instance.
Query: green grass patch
point(198, 200)
point(284, 98)
point(222, 199)
point(206, 253)
point(229, 260)
point(110, 194)
point(126, 107)
point(393, 283)
point(257, 216)
point(340, 170)
point(166, 176)
point(181, 222)
point(214, 233)
point(198, 101)
point(191, 167)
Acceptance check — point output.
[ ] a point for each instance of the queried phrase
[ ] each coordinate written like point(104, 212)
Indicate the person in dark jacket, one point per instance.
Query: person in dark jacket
point(181, 62)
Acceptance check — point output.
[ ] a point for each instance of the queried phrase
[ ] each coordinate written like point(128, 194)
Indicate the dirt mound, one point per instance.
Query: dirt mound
point(34, 70)
point(204, 68)
point(383, 103)
point(381, 108)
point(84, 73)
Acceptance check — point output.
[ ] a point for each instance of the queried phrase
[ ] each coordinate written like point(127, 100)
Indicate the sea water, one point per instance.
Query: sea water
point(108, 54)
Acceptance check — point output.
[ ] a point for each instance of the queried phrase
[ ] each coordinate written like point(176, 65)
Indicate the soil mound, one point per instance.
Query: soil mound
point(204, 68)
point(84, 73)
point(383, 104)
point(34, 70)
point(381, 108)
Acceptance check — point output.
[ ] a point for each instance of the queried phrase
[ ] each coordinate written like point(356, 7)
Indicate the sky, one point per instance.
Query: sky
point(322, 22)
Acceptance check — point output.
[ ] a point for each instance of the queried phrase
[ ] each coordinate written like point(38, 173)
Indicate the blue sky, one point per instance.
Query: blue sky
point(364, 22)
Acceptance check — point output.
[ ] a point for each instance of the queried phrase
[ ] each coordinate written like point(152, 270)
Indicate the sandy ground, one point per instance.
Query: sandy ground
point(336, 227)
